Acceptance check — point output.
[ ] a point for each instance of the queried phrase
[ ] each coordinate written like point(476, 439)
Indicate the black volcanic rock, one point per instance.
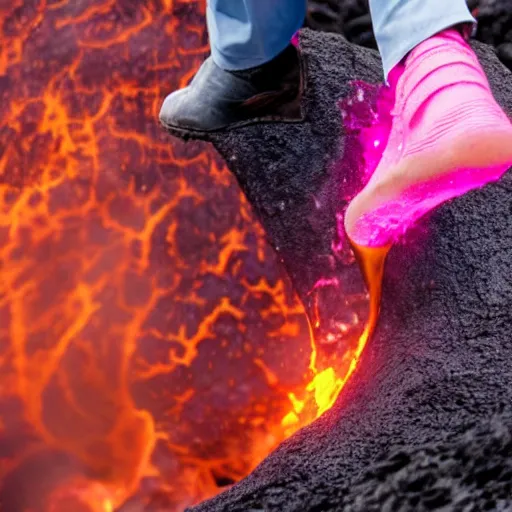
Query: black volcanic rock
point(471, 472)
point(412, 429)
point(352, 19)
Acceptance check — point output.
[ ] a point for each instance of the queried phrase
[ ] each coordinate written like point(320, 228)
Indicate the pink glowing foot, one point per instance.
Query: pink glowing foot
point(448, 136)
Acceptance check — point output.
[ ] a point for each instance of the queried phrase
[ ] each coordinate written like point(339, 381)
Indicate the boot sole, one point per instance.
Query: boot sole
point(208, 136)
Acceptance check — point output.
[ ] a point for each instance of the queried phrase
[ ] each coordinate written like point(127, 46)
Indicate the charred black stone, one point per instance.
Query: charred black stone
point(412, 429)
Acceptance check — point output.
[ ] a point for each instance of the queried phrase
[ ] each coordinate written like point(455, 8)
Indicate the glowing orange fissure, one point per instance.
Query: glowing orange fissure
point(326, 385)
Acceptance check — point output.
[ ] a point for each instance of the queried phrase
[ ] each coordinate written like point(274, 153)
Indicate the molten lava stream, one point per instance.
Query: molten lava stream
point(148, 334)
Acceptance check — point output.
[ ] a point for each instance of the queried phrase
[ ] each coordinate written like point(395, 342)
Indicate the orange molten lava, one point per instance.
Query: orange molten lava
point(148, 335)
point(323, 390)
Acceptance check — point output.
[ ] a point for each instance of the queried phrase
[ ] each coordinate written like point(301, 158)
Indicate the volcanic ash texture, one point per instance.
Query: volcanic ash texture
point(424, 422)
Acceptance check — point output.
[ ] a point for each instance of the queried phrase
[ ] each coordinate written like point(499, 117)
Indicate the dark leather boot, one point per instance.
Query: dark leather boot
point(221, 100)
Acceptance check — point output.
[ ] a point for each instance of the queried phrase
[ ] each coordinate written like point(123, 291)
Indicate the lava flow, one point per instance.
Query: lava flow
point(149, 335)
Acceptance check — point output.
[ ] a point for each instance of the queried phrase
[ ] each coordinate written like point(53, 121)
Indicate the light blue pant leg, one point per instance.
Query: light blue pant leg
point(400, 25)
point(247, 33)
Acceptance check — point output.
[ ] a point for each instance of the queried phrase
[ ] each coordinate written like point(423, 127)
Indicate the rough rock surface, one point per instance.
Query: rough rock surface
point(352, 19)
point(467, 473)
point(291, 175)
point(413, 428)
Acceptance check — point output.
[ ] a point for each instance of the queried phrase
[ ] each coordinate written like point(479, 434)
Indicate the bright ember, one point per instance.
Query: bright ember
point(152, 350)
